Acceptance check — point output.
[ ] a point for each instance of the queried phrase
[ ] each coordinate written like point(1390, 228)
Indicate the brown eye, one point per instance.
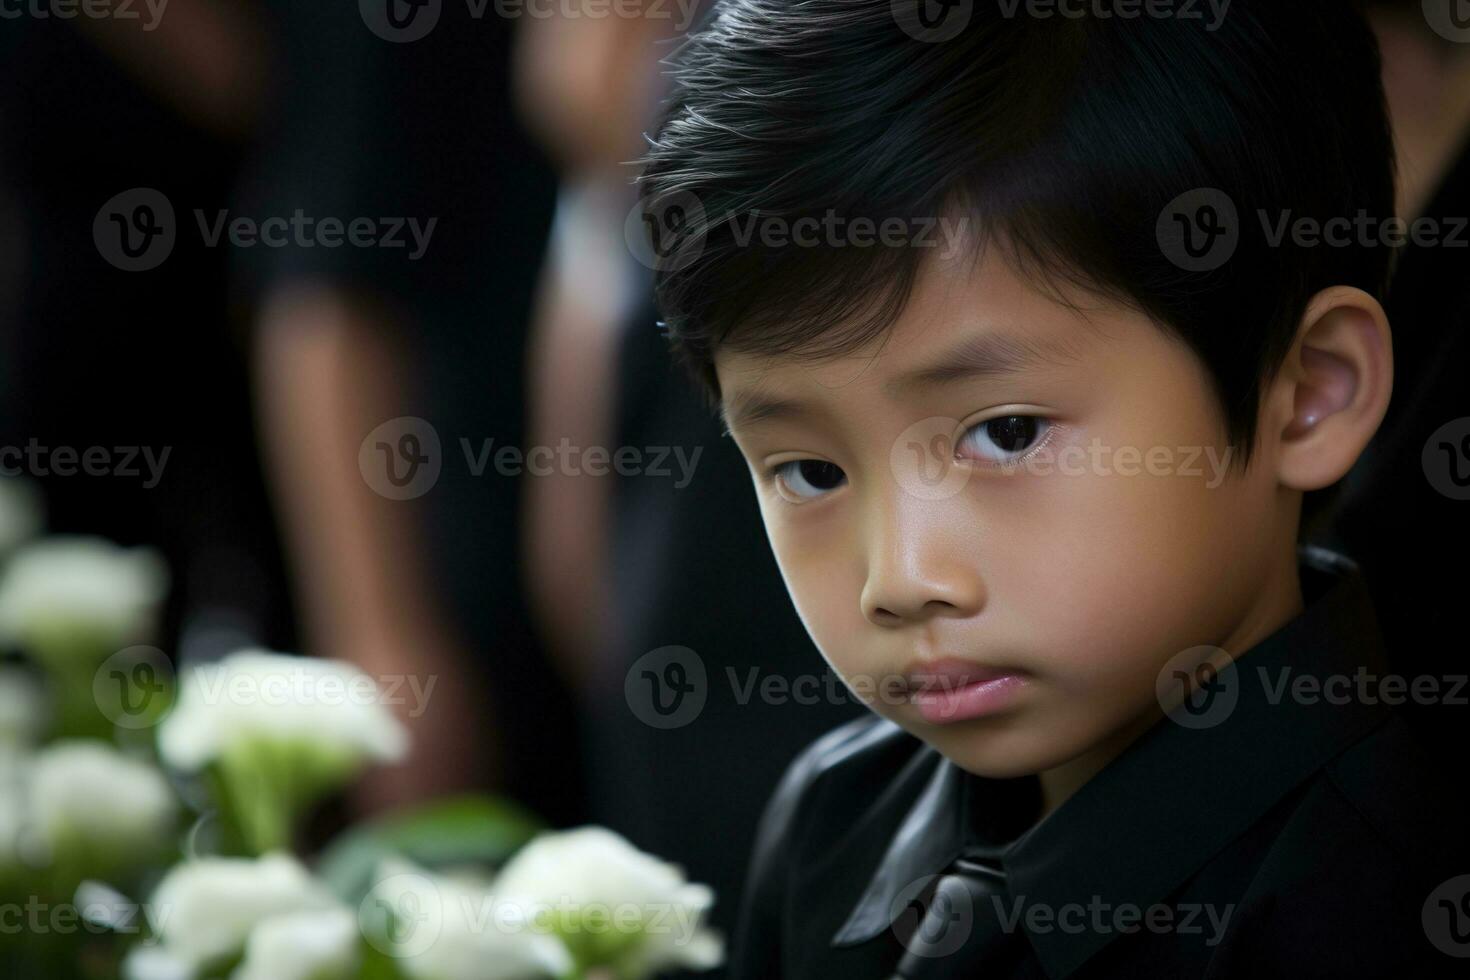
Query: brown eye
point(804, 479)
point(1004, 438)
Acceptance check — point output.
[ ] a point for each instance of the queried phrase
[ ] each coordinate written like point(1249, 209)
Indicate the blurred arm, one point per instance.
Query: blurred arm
point(327, 374)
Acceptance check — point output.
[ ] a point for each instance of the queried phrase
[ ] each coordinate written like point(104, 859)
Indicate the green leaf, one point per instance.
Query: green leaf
point(481, 830)
point(377, 965)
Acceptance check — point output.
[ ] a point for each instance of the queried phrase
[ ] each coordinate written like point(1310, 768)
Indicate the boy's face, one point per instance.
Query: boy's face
point(1002, 554)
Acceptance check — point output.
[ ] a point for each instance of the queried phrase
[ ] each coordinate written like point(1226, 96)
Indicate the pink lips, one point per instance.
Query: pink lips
point(952, 689)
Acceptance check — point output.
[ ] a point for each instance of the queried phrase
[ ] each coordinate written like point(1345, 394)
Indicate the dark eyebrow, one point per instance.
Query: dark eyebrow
point(985, 355)
point(750, 407)
point(989, 355)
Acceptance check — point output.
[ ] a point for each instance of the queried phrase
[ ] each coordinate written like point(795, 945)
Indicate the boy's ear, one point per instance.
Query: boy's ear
point(1332, 391)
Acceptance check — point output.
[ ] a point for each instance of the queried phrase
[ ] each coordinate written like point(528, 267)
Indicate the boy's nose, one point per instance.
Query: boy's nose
point(919, 568)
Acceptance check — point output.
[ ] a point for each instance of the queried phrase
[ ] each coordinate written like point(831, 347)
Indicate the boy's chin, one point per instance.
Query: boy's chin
point(1000, 755)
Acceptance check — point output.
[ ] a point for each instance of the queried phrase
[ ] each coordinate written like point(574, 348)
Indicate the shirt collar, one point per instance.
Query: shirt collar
point(1204, 785)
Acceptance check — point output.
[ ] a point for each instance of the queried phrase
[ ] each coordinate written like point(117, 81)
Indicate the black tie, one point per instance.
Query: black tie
point(960, 931)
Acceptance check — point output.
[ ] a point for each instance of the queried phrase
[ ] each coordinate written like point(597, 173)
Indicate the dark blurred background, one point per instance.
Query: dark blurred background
point(334, 416)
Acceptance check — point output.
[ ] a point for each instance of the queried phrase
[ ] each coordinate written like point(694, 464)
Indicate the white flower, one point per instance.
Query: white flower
point(442, 928)
point(155, 963)
point(280, 733)
point(599, 872)
point(205, 910)
point(62, 591)
point(317, 944)
point(86, 797)
point(327, 705)
point(20, 512)
point(22, 711)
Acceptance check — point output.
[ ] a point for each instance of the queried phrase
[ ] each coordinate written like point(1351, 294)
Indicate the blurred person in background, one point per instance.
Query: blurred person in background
point(144, 369)
point(379, 365)
point(1401, 510)
point(625, 566)
point(586, 87)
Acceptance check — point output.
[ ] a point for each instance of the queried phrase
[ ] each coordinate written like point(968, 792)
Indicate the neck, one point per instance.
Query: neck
point(1277, 603)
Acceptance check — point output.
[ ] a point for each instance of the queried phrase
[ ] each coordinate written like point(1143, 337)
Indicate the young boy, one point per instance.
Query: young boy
point(1035, 323)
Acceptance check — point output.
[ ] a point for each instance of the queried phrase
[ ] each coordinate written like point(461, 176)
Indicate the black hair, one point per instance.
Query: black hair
point(1067, 138)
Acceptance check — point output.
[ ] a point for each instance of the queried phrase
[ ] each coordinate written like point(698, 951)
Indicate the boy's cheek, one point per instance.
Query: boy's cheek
point(829, 607)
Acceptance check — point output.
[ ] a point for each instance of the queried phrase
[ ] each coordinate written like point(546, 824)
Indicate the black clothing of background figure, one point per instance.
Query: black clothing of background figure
point(1403, 512)
point(133, 362)
point(424, 129)
point(692, 568)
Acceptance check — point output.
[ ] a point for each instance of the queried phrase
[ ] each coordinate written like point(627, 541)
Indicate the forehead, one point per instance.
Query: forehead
point(964, 318)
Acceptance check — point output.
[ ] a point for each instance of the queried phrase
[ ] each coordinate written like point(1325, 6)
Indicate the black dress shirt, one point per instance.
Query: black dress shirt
point(1295, 835)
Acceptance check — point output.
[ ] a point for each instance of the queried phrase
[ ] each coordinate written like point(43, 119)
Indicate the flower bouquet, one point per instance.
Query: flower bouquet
point(150, 821)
